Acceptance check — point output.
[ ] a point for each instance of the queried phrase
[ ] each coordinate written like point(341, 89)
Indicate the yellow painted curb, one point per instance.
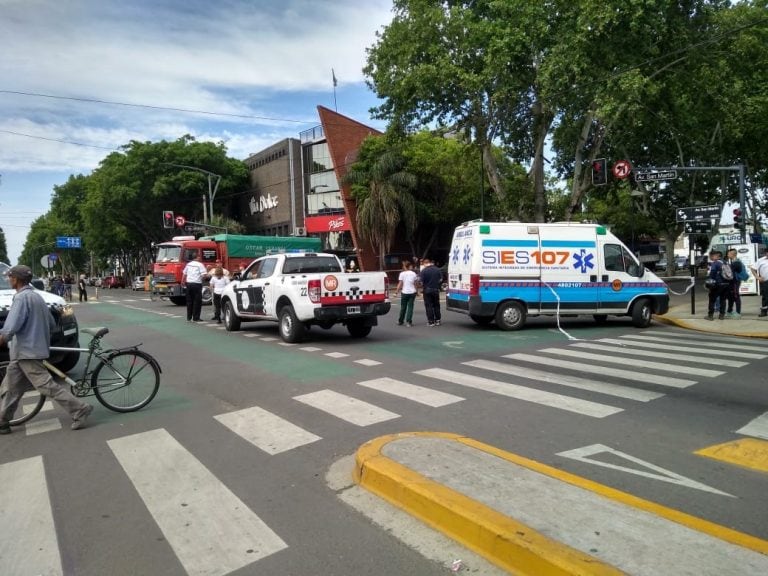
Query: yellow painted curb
point(681, 323)
point(747, 452)
point(510, 544)
point(507, 543)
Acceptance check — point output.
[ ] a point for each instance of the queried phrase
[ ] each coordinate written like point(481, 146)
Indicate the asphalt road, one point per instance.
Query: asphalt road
point(237, 444)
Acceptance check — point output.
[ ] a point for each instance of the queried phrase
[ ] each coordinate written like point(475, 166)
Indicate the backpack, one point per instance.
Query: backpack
point(742, 274)
point(726, 272)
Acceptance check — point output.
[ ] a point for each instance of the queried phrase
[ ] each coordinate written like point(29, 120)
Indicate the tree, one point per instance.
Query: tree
point(382, 190)
point(3, 247)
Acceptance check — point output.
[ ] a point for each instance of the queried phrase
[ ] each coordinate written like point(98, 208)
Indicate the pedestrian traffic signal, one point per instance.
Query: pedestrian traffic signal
point(168, 220)
point(738, 218)
point(599, 172)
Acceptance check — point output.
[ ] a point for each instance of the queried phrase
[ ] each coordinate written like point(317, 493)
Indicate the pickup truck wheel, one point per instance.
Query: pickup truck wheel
point(207, 295)
point(642, 313)
point(600, 319)
point(510, 316)
point(481, 320)
point(68, 360)
point(358, 329)
point(179, 300)
point(231, 321)
point(291, 330)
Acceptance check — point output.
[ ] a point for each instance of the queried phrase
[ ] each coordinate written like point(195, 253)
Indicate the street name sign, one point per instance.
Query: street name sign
point(655, 176)
point(698, 226)
point(697, 213)
point(68, 242)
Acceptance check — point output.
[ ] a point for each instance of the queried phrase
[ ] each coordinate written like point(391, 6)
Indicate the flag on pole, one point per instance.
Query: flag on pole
point(335, 82)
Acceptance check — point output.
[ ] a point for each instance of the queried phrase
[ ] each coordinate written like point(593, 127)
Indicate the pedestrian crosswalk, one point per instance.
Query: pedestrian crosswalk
point(211, 530)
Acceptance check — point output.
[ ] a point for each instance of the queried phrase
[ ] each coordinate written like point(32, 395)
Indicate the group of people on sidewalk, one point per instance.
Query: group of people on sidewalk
point(724, 283)
point(429, 278)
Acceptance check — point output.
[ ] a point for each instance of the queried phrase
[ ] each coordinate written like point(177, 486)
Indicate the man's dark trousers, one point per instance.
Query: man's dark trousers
point(194, 300)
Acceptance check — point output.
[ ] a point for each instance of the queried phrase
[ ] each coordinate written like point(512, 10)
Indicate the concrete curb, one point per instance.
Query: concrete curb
point(507, 543)
point(689, 325)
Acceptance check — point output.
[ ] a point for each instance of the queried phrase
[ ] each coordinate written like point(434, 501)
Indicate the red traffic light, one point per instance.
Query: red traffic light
point(168, 219)
point(738, 218)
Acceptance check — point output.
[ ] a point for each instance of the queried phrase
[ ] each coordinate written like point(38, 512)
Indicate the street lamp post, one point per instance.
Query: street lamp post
point(212, 189)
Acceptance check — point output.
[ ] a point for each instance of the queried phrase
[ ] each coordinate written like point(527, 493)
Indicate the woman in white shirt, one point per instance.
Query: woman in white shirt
point(218, 282)
point(406, 286)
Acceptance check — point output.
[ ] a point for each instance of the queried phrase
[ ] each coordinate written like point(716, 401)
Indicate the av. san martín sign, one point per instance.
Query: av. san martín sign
point(263, 204)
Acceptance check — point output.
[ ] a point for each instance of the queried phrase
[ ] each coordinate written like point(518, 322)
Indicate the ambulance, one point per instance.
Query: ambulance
point(505, 272)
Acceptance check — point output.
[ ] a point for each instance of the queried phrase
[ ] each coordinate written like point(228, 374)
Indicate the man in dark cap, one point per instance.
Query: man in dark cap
point(27, 330)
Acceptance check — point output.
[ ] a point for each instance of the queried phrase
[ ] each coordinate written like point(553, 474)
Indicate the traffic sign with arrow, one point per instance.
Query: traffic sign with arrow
point(697, 213)
point(697, 227)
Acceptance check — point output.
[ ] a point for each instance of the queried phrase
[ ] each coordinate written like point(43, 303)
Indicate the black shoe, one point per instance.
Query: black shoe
point(5, 429)
point(399, 323)
point(762, 314)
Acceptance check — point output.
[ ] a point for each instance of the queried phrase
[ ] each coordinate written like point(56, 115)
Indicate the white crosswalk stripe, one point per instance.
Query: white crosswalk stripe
point(757, 427)
point(347, 408)
point(566, 380)
point(630, 348)
point(689, 337)
point(28, 542)
point(265, 430)
point(632, 375)
point(585, 407)
point(701, 346)
point(420, 394)
point(211, 531)
point(678, 369)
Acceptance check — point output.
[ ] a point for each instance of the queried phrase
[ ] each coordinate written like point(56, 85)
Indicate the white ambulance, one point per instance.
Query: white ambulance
point(504, 272)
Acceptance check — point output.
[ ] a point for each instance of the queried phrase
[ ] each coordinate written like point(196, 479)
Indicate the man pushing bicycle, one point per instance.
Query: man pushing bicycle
point(27, 331)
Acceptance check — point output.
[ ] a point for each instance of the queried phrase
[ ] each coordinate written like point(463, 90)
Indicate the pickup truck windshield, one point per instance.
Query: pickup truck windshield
point(310, 265)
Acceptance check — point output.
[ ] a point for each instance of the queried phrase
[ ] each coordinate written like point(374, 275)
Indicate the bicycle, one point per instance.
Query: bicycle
point(123, 380)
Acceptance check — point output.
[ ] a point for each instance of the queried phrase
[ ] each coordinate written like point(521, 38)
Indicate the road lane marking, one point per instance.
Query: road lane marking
point(757, 427)
point(584, 455)
point(210, 529)
point(40, 425)
point(566, 380)
point(346, 408)
point(630, 348)
point(585, 407)
point(703, 347)
point(677, 369)
point(266, 430)
point(28, 543)
point(747, 452)
point(689, 337)
point(420, 394)
point(632, 375)
point(367, 362)
point(310, 349)
point(337, 354)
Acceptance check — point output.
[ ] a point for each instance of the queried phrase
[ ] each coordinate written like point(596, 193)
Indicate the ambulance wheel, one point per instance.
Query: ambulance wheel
point(642, 313)
point(600, 319)
point(482, 320)
point(510, 316)
point(291, 330)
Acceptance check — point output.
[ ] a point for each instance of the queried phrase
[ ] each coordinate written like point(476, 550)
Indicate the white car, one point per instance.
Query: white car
point(138, 283)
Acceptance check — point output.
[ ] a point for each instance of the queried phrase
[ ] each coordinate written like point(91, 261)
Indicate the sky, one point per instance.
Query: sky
point(262, 66)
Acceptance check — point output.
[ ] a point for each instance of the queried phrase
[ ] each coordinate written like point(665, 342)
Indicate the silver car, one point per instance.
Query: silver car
point(138, 283)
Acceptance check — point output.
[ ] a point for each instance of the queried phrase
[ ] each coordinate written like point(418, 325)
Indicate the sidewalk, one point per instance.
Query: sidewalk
point(532, 519)
point(748, 325)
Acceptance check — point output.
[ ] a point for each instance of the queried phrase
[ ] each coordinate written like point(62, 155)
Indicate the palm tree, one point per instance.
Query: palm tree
point(384, 200)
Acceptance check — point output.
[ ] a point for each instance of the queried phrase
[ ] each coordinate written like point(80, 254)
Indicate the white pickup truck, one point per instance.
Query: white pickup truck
point(302, 289)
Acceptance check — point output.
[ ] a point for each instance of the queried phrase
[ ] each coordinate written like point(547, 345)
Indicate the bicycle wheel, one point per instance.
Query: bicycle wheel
point(126, 381)
point(30, 404)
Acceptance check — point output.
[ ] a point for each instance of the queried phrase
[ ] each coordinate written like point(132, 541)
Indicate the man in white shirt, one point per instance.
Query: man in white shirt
point(760, 270)
point(406, 286)
point(192, 280)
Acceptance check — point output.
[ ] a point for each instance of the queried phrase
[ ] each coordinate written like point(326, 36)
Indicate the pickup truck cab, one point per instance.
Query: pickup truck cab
point(302, 289)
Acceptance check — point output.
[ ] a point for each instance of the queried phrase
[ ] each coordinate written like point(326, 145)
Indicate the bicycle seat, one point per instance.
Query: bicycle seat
point(96, 332)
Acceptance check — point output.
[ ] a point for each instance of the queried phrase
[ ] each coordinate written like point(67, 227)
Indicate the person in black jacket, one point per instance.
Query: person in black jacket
point(717, 285)
point(431, 278)
point(733, 294)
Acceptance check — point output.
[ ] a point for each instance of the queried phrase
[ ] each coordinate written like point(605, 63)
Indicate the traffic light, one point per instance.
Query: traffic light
point(168, 220)
point(599, 172)
point(738, 218)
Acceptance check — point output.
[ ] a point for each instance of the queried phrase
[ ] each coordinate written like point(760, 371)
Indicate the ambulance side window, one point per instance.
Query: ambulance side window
point(613, 258)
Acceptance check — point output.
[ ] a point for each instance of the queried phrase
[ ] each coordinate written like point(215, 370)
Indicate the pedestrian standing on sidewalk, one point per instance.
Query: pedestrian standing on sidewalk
point(760, 270)
point(716, 285)
point(192, 280)
point(218, 282)
point(27, 330)
point(431, 278)
point(733, 296)
point(81, 285)
point(406, 287)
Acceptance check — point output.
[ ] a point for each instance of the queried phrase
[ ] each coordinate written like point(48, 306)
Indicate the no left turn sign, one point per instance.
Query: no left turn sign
point(621, 169)
point(180, 221)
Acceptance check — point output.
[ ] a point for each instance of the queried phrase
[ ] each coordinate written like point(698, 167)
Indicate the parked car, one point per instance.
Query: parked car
point(138, 283)
point(113, 282)
point(681, 262)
